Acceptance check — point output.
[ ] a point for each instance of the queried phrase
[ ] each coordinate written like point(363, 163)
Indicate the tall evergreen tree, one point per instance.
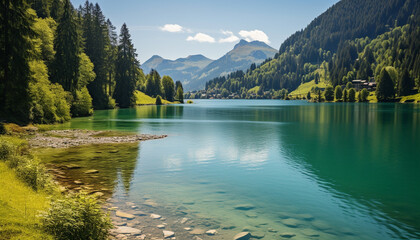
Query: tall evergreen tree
point(385, 90)
point(65, 67)
point(405, 84)
point(179, 92)
point(112, 52)
point(56, 9)
point(153, 84)
point(126, 69)
point(41, 7)
point(96, 44)
point(15, 47)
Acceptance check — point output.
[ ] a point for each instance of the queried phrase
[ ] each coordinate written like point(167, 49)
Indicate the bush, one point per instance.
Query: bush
point(158, 100)
point(338, 93)
point(76, 217)
point(190, 102)
point(82, 104)
point(7, 149)
point(2, 128)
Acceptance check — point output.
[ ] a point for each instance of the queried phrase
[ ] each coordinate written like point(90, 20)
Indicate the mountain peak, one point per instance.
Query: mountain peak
point(244, 42)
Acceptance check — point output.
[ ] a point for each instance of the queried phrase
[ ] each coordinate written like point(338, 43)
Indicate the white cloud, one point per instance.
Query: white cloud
point(201, 37)
point(230, 37)
point(172, 28)
point(254, 35)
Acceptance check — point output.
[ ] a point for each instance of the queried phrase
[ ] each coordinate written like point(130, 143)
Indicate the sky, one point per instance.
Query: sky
point(178, 28)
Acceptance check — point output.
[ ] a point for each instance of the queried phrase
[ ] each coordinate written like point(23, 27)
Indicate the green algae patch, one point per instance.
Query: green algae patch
point(94, 168)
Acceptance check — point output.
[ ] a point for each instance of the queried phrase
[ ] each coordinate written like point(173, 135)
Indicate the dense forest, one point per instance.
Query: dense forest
point(60, 62)
point(354, 39)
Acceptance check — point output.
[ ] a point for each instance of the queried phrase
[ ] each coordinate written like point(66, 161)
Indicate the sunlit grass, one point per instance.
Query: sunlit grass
point(143, 99)
point(304, 88)
point(19, 207)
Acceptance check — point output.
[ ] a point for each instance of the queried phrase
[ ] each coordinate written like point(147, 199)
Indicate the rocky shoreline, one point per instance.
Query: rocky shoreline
point(75, 137)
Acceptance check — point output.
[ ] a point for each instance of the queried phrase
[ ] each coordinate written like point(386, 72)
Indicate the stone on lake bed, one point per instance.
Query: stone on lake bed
point(306, 217)
point(187, 229)
point(150, 203)
point(139, 213)
point(310, 232)
point(242, 236)
point(290, 222)
point(127, 230)
point(155, 216)
point(92, 171)
point(78, 182)
point(160, 226)
point(211, 232)
point(72, 166)
point(98, 194)
point(258, 235)
point(125, 215)
point(287, 235)
point(321, 225)
point(244, 207)
point(183, 220)
point(120, 224)
point(168, 234)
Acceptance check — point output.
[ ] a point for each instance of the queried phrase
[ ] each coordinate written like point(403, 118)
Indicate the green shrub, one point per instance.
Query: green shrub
point(76, 217)
point(158, 100)
point(7, 149)
point(329, 93)
point(352, 95)
point(30, 171)
point(190, 102)
point(82, 104)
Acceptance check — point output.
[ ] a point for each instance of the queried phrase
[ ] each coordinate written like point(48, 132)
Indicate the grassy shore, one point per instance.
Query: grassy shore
point(19, 207)
point(143, 99)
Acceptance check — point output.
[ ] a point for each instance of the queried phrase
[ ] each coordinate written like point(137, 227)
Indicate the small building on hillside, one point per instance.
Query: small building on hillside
point(360, 84)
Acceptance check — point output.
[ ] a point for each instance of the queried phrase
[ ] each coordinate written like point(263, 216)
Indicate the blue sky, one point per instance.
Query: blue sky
point(178, 28)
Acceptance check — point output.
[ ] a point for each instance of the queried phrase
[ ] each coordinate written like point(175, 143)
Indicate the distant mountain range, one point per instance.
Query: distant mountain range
point(195, 70)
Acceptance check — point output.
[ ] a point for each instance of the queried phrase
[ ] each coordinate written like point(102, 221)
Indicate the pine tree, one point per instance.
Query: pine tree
point(56, 9)
point(65, 67)
point(126, 69)
point(179, 92)
point(385, 90)
point(97, 42)
point(405, 84)
point(15, 48)
point(338, 93)
point(112, 52)
point(41, 7)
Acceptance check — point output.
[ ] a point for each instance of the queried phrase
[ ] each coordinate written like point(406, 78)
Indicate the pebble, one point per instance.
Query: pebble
point(287, 235)
point(244, 207)
point(155, 216)
point(187, 229)
point(168, 234)
point(211, 232)
point(125, 215)
point(242, 236)
point(127, 230)
point(161, 226)
point(184, 220)
point(92, 171)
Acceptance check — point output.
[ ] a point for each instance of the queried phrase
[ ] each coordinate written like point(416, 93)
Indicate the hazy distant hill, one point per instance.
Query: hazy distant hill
point(195, 70)
point(179, 69)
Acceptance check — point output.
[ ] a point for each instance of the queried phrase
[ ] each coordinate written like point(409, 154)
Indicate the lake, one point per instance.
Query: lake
point(322, 171)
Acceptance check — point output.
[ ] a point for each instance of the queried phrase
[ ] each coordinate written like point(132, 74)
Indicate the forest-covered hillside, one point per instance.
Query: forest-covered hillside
point(59, 62)
point(354, 39)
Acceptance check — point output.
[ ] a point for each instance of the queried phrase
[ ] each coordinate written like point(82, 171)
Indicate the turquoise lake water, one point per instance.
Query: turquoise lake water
point(320, 171)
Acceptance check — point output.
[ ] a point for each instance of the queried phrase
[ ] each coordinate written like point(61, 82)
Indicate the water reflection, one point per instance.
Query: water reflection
point(352, 167)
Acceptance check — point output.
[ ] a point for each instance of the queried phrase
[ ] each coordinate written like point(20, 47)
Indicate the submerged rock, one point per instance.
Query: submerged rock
point(244, 207)
point(183, 220)
point(258, 235)
point(287, 235)
point(310, 232)
point(92, 171)
point(127, 230)
point(197, 231)
point(211, 232)
point(160, 226)
point(155, 216)
point(290, 222)
point(125, 215)
point(242, 236)
point(168, 234)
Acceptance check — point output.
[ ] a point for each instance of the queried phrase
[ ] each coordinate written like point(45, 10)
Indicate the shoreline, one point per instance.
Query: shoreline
point(76, 137)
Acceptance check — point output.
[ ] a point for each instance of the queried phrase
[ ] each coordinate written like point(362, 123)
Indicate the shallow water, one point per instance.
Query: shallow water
point(320, 171)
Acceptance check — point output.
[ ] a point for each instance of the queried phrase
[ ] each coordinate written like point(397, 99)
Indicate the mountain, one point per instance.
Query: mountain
point(195, 70)
point(337, 47)
point(180, 69)
point(239, 58)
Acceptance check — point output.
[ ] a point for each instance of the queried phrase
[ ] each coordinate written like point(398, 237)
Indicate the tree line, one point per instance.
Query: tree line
point(58, 62)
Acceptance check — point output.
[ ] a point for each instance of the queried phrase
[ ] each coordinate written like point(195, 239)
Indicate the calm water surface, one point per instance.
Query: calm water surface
point(336, 171)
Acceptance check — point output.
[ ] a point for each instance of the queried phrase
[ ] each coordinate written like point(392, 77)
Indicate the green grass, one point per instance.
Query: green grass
point(411, 98)
point(143, 99)
point(304, 88)
point(254, 90)
point(19, 207)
